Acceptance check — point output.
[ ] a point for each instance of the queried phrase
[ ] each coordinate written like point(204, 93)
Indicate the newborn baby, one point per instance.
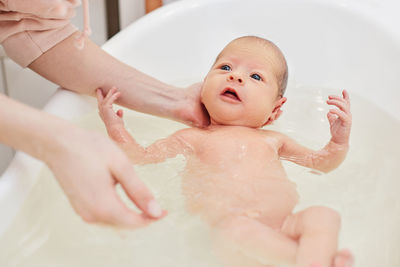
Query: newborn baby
point(234, 179)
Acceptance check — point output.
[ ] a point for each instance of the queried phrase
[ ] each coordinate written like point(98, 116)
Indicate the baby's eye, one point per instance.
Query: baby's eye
point(225, 67)
point(256, 77)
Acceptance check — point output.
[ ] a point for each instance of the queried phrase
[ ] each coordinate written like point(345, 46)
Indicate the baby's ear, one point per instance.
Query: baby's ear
point(276, 112)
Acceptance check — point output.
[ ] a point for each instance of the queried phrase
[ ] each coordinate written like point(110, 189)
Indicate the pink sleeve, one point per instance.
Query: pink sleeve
point(26, 36)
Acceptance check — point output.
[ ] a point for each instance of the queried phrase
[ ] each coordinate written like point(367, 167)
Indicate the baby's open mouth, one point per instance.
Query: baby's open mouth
point(231, 93)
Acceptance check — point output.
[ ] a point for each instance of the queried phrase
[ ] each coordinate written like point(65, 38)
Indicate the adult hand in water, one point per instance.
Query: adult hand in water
point(88, 166)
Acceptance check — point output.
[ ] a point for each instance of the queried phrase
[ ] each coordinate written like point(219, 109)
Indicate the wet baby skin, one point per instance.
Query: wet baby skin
point(234, 178)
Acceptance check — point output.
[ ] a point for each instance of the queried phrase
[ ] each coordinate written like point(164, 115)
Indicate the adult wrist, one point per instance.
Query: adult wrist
point(58, 140)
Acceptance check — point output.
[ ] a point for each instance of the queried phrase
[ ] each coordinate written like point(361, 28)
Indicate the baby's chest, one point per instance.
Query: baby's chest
point(236, 148)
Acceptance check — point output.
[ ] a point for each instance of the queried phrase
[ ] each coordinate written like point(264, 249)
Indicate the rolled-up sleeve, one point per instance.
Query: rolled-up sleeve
point(25, 37)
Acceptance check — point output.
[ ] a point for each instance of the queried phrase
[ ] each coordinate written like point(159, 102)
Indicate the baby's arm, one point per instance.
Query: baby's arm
point(335, 151)
point(157, 152)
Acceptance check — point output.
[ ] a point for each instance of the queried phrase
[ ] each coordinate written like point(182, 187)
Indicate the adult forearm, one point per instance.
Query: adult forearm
point(86, 70)
point(86, 164)
point(29, 130)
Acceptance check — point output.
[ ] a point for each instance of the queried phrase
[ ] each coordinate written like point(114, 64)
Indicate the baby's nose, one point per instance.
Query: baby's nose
point(237, 78)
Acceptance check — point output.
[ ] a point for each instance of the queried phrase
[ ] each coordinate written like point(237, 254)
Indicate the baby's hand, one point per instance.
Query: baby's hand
point(340, 119)
point(106, 112)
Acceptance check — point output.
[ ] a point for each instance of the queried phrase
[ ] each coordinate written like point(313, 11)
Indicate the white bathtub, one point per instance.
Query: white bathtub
point(329, 43)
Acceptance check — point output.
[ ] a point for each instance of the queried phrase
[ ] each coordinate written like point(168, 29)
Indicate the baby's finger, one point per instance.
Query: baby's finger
point(340, 104)
point(336, 97)
point(120, 113)
point(110, 93)
point(99, 95)
point(346, 96)
point(331, 117)
point(342, 115)
point(112, 98)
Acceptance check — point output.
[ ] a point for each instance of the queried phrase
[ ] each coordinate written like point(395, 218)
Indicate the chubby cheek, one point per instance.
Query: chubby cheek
point(259, 112)
point(205, 96)
point(255, 117)
point(209, 102)
point(208, 90)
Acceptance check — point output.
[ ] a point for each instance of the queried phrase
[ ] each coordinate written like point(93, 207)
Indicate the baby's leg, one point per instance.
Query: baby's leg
point(317, 230)
point(255, 240)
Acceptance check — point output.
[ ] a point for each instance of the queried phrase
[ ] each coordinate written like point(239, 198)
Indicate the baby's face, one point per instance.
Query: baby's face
point(242, 88)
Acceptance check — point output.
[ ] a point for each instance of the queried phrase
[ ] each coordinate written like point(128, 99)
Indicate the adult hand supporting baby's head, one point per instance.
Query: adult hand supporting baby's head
point(88, 166)
point(192, 111)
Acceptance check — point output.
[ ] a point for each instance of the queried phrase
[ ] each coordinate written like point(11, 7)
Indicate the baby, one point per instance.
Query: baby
point(234, 178)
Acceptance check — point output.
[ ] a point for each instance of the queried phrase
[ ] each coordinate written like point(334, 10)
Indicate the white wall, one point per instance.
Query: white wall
point(129, 11)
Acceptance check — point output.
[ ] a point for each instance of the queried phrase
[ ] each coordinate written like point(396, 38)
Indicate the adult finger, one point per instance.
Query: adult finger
point(115, 212)
point(60, 9)
point(136, 190)
point(74, 3)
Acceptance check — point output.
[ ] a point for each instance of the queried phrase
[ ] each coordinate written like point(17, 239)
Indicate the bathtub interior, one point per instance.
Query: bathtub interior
point(327, 45)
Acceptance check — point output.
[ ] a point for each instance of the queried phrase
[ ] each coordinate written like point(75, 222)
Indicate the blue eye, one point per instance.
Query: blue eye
point(256, 77)
point(225, 67)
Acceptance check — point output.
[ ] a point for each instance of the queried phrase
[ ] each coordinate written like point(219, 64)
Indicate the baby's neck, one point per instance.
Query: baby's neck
point(214, 125)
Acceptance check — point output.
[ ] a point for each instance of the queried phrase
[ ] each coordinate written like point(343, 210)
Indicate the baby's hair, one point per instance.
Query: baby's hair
point(282, 76)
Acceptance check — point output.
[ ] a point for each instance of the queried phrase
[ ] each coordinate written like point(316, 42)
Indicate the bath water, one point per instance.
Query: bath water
point(365, 190)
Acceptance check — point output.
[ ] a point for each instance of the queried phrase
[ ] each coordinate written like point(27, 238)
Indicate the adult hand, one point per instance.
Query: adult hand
point(193, 112)
point(49, 9)
point(88, 166)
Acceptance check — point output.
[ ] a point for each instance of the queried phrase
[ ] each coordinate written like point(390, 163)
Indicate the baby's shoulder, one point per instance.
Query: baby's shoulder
point(270, 133)
point(189, 134)
point(274, 137)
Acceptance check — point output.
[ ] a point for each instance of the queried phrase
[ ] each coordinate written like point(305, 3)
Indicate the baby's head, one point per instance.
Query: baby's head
point(245, 85)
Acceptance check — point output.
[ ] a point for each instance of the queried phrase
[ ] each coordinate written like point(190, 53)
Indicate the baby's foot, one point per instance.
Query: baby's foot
point(343, 258)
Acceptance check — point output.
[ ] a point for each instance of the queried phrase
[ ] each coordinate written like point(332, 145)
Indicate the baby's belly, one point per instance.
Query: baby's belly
point(215, 196)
